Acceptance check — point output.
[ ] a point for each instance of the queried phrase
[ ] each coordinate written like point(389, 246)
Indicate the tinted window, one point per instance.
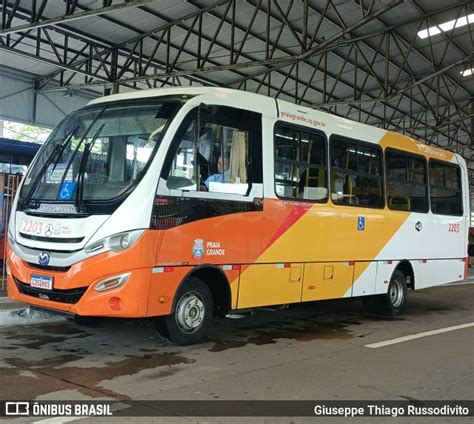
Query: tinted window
point(356, 174)
point(407, 188)
point(300, 164)
point(445, 188)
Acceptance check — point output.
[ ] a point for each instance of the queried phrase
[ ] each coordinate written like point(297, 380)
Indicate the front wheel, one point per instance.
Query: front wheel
point(192, 314)
point(392, 302)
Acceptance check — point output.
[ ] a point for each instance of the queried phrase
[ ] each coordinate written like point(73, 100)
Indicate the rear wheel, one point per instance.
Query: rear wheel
point(191, 316)
point(392, 302)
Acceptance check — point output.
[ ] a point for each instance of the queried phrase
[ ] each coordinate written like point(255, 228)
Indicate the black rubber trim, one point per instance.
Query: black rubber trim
point(52, 311)
point(53, 239)
point(49, 268)
point(70, 296)
point(169, 212)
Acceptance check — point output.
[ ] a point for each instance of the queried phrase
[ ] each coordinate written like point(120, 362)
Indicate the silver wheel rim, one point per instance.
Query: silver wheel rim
point(396, 293)
point(190, 312)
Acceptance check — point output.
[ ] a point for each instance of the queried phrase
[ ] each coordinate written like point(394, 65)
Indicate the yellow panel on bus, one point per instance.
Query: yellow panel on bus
point(270, 284)
point(326, 280)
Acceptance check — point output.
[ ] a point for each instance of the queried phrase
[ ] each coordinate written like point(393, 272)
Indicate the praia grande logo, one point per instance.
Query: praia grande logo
point(43, 258)
point(198, 248)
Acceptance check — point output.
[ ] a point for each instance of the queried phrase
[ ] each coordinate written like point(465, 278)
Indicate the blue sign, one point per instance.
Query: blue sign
point(66, 191)
point(361, 223)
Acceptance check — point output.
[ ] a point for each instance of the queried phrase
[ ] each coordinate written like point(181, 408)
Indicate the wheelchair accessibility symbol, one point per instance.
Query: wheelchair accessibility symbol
point(361, 223)
point(66, 191)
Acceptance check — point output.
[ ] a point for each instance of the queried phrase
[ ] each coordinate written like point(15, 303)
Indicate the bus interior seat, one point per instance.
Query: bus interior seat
point(401, 203)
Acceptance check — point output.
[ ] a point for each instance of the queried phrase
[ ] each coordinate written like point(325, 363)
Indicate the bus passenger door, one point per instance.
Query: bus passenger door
point(270, 284)
point(326, 280)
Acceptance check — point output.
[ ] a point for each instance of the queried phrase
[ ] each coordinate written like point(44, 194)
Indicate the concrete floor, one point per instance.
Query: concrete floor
point(310, 351)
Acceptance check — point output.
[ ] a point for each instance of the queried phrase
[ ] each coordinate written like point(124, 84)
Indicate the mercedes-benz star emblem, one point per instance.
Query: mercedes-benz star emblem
point(43, 258)
point(49, 230)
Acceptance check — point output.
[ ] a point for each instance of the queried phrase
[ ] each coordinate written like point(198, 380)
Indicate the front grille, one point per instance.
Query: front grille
point(52, 239)
point(70, 296)
point(49, 267)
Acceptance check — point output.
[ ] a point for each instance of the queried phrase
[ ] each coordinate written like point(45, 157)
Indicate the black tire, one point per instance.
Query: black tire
point(192, 314)
point(391, 303)
point(160, 324)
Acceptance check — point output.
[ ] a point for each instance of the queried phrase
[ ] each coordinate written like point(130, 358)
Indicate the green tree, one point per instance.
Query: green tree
point(24, 132)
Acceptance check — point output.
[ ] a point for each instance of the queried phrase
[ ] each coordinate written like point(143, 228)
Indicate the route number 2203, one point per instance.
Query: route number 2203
point(453, 228)
point(32, 227)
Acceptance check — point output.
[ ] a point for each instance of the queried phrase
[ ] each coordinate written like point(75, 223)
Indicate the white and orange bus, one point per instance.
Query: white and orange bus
point(185, 203)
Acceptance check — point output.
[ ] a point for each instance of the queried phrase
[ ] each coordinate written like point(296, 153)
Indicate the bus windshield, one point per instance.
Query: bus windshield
point(97, 154)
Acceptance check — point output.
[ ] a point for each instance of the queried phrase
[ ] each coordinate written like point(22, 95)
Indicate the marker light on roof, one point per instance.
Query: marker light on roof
point(447, 26)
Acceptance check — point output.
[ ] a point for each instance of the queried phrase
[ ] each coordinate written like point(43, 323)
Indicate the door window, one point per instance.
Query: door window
point(218, 149)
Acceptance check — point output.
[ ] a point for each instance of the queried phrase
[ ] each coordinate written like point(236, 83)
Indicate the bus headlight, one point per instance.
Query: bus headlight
point(123, 241)
point(120, 242)
point(117, 242)
point(112, 282)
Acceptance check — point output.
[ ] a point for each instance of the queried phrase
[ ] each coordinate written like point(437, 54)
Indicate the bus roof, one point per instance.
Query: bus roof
point(293, 113)
point(179, 91)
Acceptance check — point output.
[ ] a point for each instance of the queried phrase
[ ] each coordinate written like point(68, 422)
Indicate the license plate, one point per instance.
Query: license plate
point(41, 282)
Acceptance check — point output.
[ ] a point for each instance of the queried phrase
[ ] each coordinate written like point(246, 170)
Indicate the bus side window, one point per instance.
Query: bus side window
point(356, 173)
point(216, 157)
point(407, 188)
point(445, 188)
point(300, 164)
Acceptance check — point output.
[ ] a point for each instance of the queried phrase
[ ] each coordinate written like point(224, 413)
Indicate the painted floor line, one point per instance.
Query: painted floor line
point(418, 335)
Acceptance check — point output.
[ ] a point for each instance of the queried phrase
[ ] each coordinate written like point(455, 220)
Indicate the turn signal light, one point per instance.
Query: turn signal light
point(112, 282)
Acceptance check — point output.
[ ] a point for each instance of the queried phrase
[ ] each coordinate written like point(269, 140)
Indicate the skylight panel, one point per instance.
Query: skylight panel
point(447, 26)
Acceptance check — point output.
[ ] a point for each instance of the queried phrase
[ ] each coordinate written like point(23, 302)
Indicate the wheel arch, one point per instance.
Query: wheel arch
point(217, 282)
point(407, 268)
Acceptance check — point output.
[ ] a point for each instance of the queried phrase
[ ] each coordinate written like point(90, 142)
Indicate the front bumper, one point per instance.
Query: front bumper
point(74, 289)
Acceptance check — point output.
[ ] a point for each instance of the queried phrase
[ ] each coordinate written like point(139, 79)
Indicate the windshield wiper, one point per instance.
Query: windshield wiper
point(82, 166)
point(63, 146)
point(58, 150)
point(78, 147)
